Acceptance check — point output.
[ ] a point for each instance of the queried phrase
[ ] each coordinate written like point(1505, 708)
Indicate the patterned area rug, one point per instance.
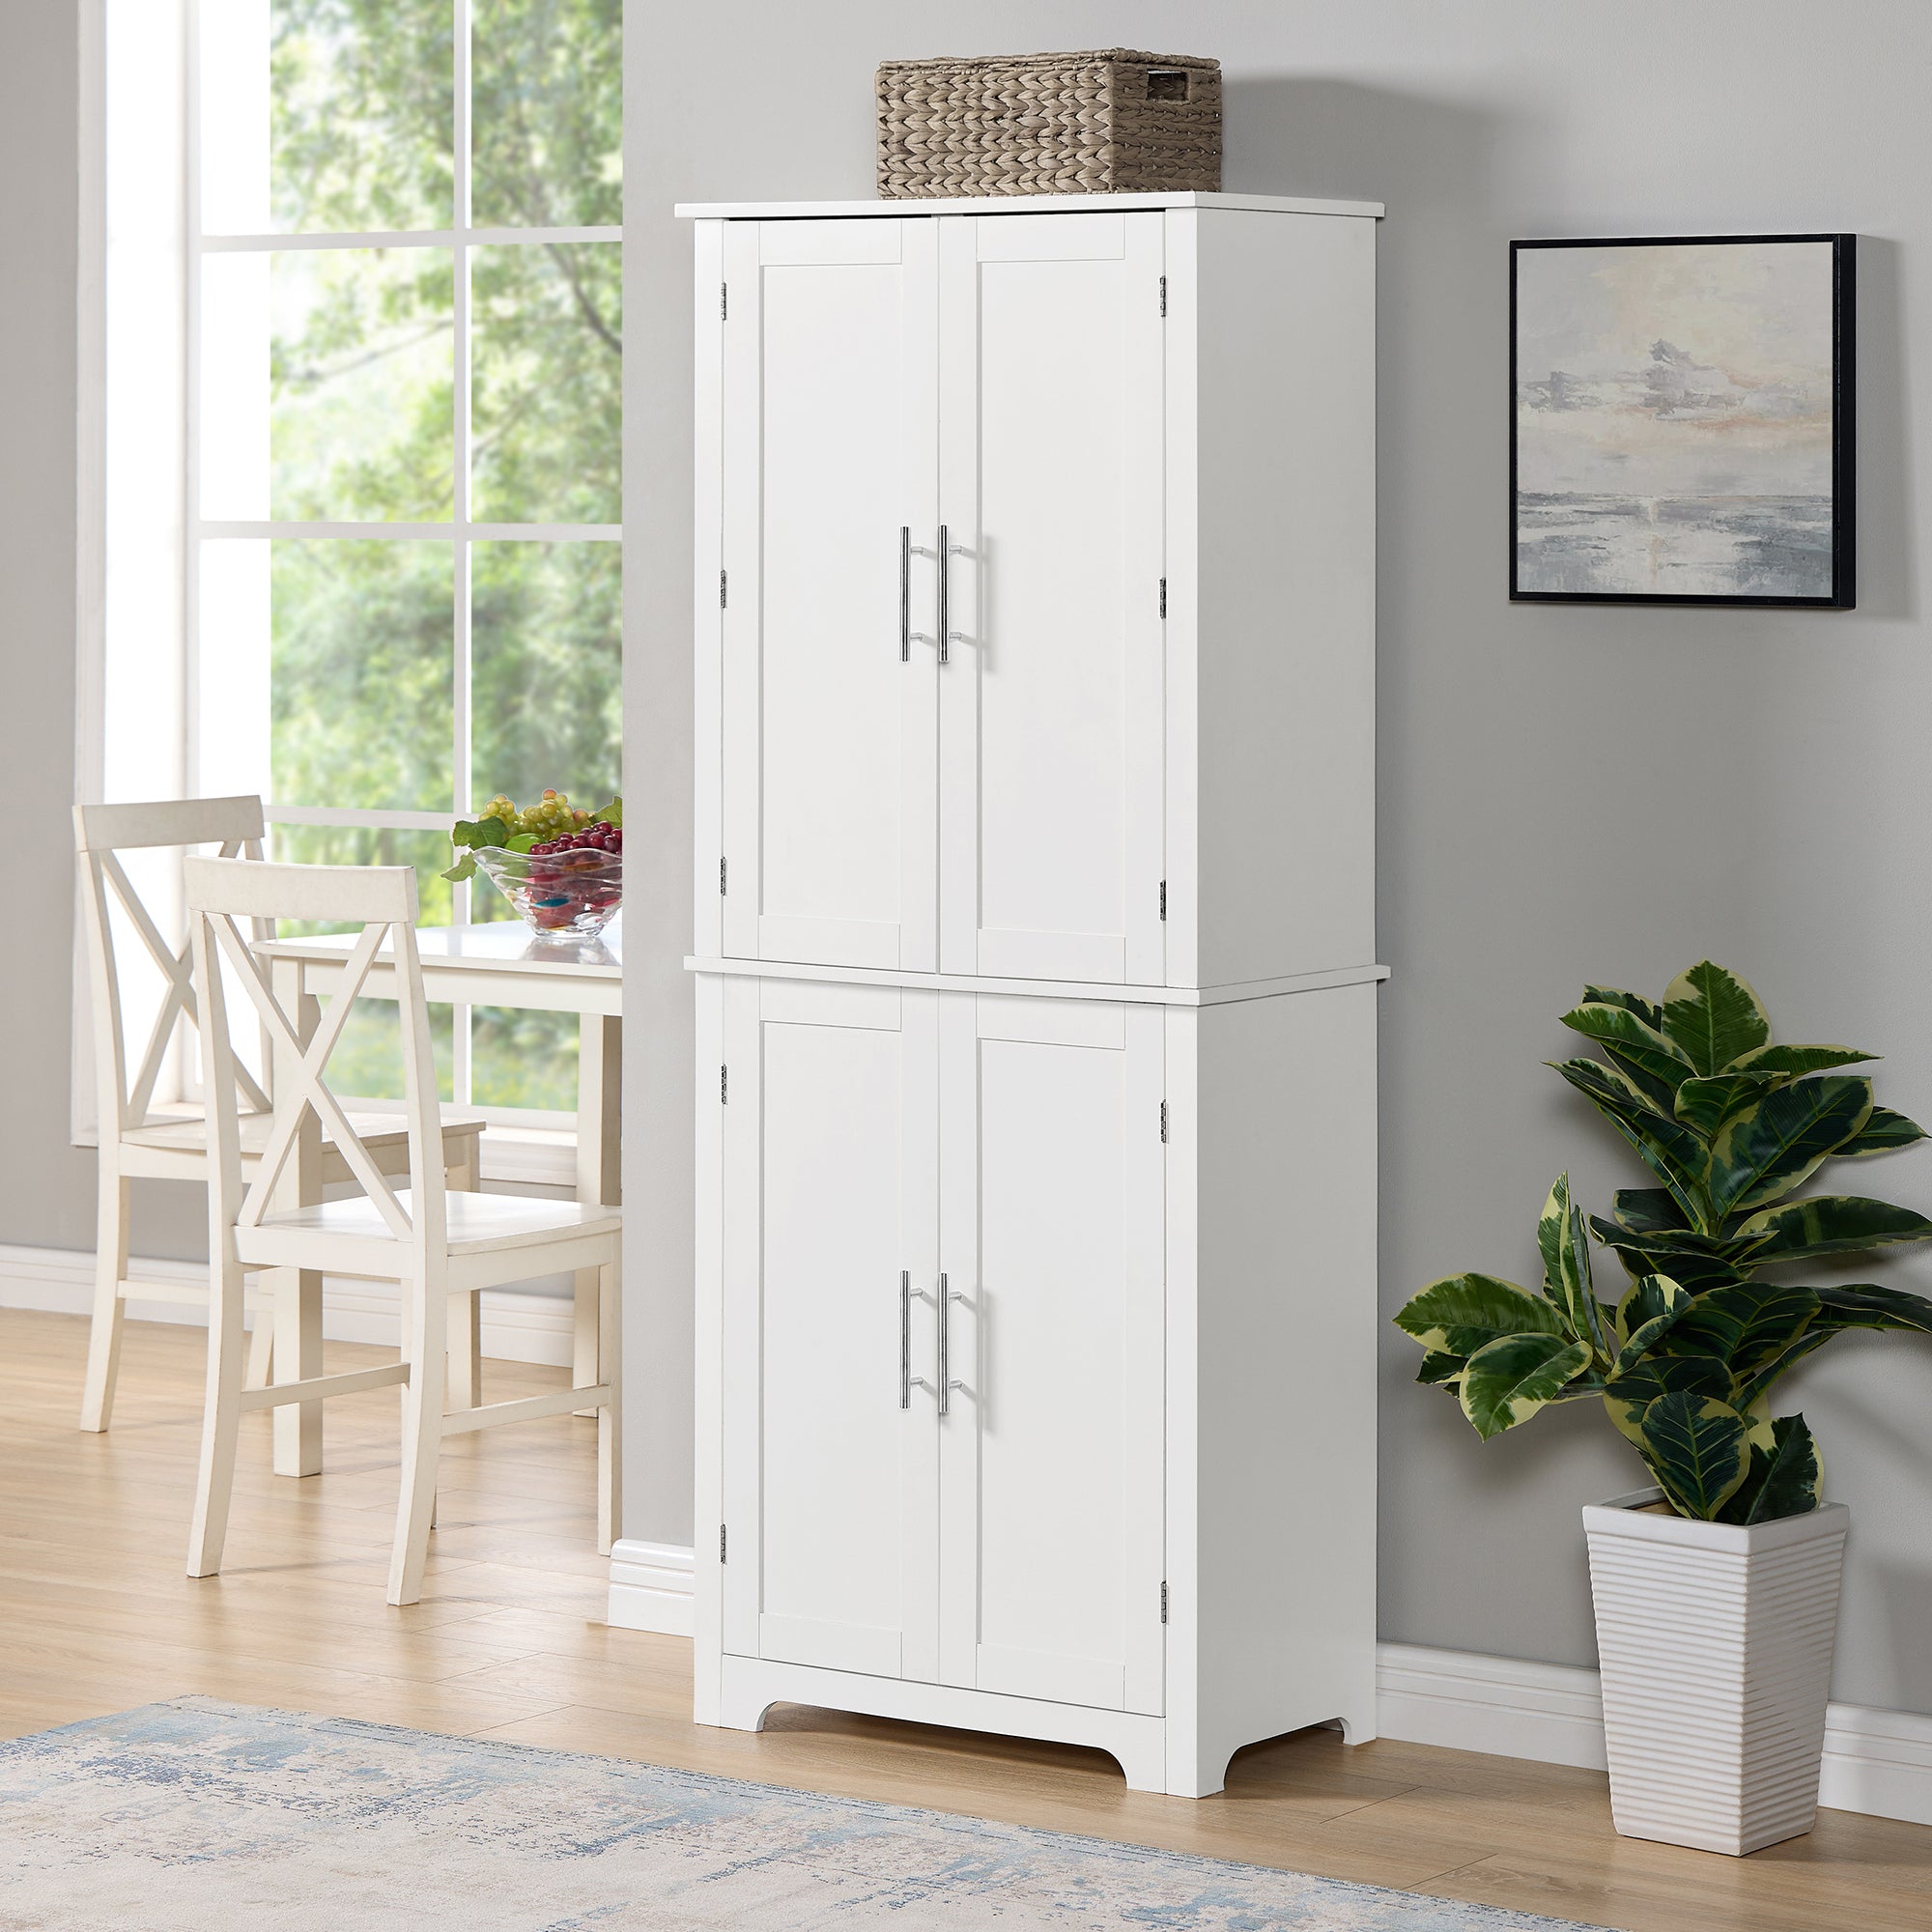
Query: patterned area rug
point(195, 1814)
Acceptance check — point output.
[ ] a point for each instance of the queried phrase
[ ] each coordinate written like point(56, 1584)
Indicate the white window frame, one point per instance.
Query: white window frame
point(142, 535)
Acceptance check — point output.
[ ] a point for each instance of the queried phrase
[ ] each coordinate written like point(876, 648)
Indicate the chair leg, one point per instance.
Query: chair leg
point(609, 1435)
point(297, 1354)
point(465, 1312)
point(220, 1419)
point(110, 1312)
point(426, 1344)
point(466, 1350)
point(587, 1298)
point(261, 1349)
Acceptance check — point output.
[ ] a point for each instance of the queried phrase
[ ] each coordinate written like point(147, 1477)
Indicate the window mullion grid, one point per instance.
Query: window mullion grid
point(459, 893)
point(463, 238)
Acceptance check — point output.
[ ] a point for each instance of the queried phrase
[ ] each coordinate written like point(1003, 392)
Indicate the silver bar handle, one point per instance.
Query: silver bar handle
point(905, 1339)
point(905, 599)
point(945, 599)
point(946, 1385)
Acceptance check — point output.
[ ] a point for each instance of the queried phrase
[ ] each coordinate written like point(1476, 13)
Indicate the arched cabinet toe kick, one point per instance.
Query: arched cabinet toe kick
point(1036, 1288)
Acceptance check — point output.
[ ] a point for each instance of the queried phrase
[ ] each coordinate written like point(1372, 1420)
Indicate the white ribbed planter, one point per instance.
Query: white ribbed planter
point(1715, 1644)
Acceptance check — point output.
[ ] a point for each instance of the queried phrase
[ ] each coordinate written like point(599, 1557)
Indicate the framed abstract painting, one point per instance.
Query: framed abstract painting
point(1681, 422)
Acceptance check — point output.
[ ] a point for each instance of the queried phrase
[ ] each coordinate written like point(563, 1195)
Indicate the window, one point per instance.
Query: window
point(400, 586)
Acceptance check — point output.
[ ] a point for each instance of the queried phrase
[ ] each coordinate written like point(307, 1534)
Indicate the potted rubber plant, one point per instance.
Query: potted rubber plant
point(1717, 1589)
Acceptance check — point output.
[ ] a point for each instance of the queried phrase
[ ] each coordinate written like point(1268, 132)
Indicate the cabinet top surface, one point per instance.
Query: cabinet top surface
point(1017, 204)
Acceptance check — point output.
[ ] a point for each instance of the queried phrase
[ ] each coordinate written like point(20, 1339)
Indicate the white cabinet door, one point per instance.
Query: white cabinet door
point(1051, 1451)
point(830, 1478)
point(1051, 495)
point(829, 724)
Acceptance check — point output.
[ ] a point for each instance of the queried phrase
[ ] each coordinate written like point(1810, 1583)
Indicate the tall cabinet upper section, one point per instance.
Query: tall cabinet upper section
point(1036, 568)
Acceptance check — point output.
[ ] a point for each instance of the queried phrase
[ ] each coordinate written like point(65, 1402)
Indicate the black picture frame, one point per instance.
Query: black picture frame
point(1843, 594)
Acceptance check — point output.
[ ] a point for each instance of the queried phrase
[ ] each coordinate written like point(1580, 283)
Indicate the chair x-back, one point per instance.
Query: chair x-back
point(136, 1138)
point(432, 1243)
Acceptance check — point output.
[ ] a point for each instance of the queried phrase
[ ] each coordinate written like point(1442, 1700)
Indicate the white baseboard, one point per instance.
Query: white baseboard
point(1878, 1762)
point(60, 1281)
point(1549, 1712)
point(650, 1587)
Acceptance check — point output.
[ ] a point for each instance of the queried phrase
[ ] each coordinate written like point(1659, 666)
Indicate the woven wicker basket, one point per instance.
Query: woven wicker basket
point(1116, 123)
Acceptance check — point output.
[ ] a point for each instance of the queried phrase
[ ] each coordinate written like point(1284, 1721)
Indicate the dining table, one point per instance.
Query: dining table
point(500, 963)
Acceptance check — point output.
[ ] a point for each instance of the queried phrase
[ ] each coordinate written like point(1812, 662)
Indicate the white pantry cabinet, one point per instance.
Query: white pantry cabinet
point(1122, 731)
point(1037, 1181)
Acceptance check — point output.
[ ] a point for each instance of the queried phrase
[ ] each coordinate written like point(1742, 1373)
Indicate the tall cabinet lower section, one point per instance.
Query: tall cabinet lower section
point(1036, 1006)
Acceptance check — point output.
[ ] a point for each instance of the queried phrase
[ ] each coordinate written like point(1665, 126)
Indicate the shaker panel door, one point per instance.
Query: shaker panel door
point(829, 503)
point(1051, 1247)
point(830, 1231)
point(1051, 491)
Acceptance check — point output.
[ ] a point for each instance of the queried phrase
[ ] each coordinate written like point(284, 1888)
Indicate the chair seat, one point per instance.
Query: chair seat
point(478, 1223)
point(188, 1133)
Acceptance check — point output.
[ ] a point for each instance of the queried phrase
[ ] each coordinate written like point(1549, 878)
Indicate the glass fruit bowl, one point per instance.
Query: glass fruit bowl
point(569, 894)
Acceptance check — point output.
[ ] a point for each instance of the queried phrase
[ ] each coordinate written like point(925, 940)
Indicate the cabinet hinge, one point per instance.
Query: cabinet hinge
point(723, 589)
point(721, 878)
point(724, 301)
point(1163, 1603)
point(1163, 294)
point(724, 1090)
point(721, 1558)
point(1163, 597)
point(1163, 1124)
point(1163, 898)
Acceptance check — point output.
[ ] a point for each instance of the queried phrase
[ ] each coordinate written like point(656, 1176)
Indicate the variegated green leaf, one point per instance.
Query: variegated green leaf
point(1831, 1224)
point(1787, 1476)
point(1695, 1447)
point(1676, 1241)
point(1566, 1266)
point(1698, 1273)
point(1644, 1210)
point(1756, 1389)
point(1789, 1062)
point(1510, 1379)
point(1796, 1483)
point(1884, 1133)
point(1672, 1151)
point(1707, 1104)
point(1628, 1395)
point(1712, 1017)
point(1612, 1088)
point(1864, 1304)
point(1640, 1049)
point(1463, 1311)
point(1646, 1314)
point(1647, 1011)
point(1437, 1367)
point(1744, 1326)
point(1783, 1141)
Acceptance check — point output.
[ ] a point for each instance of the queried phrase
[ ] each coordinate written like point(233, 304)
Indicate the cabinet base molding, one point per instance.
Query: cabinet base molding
point(750, 1686)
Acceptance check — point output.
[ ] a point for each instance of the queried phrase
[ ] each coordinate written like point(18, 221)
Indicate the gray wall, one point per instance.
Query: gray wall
point(1608, 794)
point(1565, 794)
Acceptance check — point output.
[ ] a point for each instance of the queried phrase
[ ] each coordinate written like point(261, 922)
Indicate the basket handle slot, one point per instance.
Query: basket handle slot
point(1167, 83)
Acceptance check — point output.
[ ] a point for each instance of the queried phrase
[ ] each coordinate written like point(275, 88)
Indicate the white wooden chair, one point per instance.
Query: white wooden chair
point(135, 1138)
point(430, 1242)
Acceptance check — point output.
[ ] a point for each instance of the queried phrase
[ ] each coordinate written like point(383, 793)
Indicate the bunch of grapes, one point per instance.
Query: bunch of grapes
point(550, 818)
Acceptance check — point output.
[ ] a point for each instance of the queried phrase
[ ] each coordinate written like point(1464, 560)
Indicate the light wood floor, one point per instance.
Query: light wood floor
point(95, 1615)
